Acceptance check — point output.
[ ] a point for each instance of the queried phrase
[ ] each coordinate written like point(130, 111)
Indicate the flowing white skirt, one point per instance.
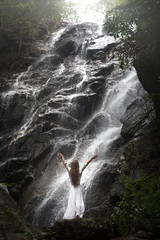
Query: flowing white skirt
point(75, 203)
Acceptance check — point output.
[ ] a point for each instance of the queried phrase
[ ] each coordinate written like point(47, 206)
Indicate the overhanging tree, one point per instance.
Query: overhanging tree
point(137, 24)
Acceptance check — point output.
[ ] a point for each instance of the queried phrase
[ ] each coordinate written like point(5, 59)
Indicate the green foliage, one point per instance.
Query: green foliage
point(136, 23)
point(6, 184)
point(30, 236)
point(24, 14)
point(50, 232)
point(29, 19)
point(6, 213)
point(139, 207)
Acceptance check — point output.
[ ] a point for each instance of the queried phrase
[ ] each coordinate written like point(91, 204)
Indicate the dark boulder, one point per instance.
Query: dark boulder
point(82, 229)
point(13, 224)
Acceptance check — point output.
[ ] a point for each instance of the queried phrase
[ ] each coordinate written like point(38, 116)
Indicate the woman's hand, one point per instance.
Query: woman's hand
point(95, 156)
point(92, 158)
point(61, 155)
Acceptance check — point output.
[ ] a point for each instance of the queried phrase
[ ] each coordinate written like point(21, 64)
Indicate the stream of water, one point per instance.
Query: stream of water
point(66, 85)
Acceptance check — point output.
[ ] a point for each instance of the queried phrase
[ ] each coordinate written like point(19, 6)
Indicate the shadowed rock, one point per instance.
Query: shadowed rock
point(13, 224)
point(137, 115)
point(82, 229)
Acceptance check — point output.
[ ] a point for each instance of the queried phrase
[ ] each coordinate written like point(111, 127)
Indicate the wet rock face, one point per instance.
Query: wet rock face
point(106, 178)
point(137, 115)
point(37, 109)
point(13, 111)
point(98, 47)
point(73, 37)
point(65, 102)
point(105, 192)
point(85, 106)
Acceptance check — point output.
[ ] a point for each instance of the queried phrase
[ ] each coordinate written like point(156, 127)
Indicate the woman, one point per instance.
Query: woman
point(75, 208)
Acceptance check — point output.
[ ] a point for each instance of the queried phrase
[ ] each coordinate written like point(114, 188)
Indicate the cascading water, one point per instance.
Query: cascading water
point(79, 99)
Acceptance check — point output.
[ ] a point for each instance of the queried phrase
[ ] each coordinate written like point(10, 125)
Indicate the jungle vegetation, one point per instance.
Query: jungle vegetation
point(136, 24)
point(28, 14)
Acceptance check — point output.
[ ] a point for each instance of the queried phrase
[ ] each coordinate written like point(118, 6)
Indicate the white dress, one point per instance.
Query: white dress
point(75, 205)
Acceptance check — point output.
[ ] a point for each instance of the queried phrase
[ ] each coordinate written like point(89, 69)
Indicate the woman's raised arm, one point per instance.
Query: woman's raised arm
point(64, 161)
point(61, 155)
point(95, 156)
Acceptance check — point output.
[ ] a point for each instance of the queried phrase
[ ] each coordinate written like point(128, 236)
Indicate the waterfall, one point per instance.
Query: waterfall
point(115, 102)
point(80, 99)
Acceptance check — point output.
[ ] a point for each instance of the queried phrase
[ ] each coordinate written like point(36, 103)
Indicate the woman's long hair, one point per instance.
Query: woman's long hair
point(74, 173)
